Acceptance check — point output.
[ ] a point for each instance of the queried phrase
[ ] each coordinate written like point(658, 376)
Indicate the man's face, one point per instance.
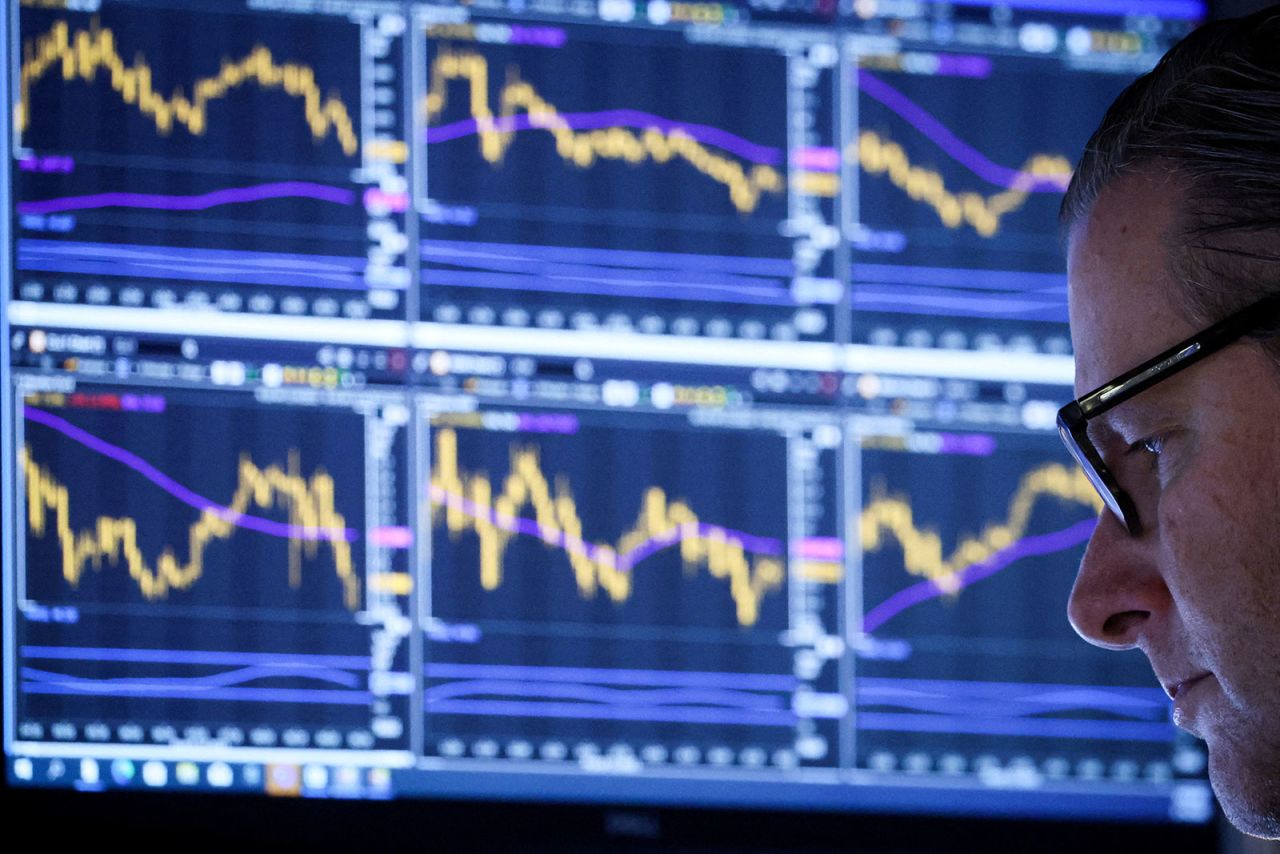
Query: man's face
point(1199, 590)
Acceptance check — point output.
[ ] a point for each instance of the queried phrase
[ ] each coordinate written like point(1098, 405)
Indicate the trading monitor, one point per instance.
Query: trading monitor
point(622, 404)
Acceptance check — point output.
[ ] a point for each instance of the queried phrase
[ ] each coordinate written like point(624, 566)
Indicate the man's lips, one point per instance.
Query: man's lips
point(1174, 689)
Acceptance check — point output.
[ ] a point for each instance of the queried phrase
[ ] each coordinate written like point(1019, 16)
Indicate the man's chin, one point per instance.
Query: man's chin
point(1247, 789)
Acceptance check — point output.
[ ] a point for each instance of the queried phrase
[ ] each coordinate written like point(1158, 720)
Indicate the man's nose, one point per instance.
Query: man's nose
point(1118, 589)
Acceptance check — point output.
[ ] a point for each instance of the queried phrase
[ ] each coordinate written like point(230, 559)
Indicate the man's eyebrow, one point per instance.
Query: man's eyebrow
point(1136, 415)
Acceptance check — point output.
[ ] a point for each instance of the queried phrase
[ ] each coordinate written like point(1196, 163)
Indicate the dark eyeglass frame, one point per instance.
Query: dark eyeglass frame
point(1074, 418)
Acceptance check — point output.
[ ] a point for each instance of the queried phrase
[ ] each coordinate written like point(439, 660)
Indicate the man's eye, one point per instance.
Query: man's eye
point(1152, 445)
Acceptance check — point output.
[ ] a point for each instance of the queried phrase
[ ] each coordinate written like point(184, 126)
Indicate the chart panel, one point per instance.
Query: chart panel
point(612, 589)
point(205, 568)
point(205, 157)
point(960, 163)
point(970, 543)
point(605, 177)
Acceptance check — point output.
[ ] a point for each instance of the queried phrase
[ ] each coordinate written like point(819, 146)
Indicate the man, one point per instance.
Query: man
point(1173, 224)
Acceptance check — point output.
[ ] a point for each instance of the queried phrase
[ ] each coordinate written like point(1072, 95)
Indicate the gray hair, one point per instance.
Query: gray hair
point(1208, 115)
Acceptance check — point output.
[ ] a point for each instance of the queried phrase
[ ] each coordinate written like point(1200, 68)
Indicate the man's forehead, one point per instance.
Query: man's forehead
point(1123, 295)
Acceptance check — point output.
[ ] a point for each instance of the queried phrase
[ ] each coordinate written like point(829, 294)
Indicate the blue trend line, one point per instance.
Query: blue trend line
point(648, 697)
point(652, 275)
point(613, 676)
point(190, 263)
point(186, 656)
point(531, 253)
point(590, 272)
point(177, 490)
point(255, 695)
point(1011, 707)
point(512, 708)
point(907, 299)
point(213, 680)
point(961, 277)
point(1092, 730)
point(1014, 690)
point(652, 289)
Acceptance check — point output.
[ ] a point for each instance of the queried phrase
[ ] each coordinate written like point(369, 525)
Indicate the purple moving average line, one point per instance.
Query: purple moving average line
point(627, 561)
point(177, 490)
point(228, 196)
point(946, 139)
point(720, 138)
point(1026, 547)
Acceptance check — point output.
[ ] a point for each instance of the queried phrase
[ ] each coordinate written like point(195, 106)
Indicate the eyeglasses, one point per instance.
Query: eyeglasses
point(1074, 418)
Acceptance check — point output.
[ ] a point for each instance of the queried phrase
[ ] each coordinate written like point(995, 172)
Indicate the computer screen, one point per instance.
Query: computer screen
point(560, 401)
